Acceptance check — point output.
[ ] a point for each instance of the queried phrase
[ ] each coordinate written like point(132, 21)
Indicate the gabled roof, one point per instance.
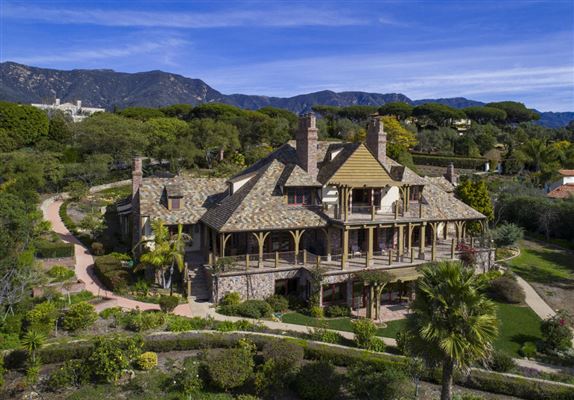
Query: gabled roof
point(441, 182)
point(355, 165)
point(260, 205)
point(562, 192)
point(295, 176)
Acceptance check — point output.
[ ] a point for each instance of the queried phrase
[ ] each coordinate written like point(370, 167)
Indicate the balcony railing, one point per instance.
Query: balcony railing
point(356, 260)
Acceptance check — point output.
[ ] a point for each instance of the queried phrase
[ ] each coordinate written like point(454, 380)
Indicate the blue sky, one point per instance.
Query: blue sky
point(484, 50)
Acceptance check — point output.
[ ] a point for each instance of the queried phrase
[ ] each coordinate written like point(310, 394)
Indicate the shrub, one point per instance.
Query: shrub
point(315, 312)
point(318, 381)
point(80, 316)
point(285, 355)
point(322, 334)
point(241, 325)
point(337, 311)
point(556, 333)
point(141, 287)
point(77, 190)
point(229, 368)
point(249, 309)
point(505, 289)
point(110, 272)
point(507, 234)
point(139, 321)
point(111, 312)
point(98, 249)
point(231, 299)
point(501, 362)
point(42, 318)
point(188, 380)
point(47, 249)
point(176, 323)
point(295, 302)
point(528, 349)
point(60, 273)
point(445, 160)
point(168, 303)
point(71, 373)
point(364, 330)
point(376, 344)
point(278, 303)
point(111, 355)
point(147, 361)
point(368, 382)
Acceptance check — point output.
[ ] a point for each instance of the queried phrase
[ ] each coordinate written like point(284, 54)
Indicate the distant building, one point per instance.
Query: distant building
point(75, 111)
point(564, 187)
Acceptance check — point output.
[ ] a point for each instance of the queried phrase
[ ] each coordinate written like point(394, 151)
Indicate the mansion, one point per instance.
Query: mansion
point(339, 207)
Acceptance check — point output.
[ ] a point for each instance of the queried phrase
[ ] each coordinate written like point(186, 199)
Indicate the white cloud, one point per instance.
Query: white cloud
point(269, 17)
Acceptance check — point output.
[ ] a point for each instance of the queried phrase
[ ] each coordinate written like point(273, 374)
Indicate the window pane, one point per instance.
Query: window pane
point(291, 197)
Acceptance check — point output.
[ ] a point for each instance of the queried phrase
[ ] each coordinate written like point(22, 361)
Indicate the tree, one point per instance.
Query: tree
point(21, 125)
point(399, 139)
point(536, 153)
point(474, 192)
point(59, 128)
point(33, 341)
point(357, 114)
point(452, 322)
point(80, 316)
point(141, 113)
point(397, 109)
point(515, 112)
point(485, 115)
point(93, 223)
point(160, 131)
point(435, 114)
point(209, 134)
point(179, 111)
point(375, 281)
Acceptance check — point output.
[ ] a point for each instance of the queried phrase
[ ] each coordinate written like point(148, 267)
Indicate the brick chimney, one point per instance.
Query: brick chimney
point(137, 175)
point(451, 175)
point(377, 139)
point(307, 143)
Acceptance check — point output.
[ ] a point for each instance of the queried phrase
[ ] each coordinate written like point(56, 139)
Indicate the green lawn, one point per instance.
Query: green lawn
point(341, 324)
point(543, 264)
point(518, 324)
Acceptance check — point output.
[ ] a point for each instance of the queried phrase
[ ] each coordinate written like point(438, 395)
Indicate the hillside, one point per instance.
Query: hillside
point(110, 89)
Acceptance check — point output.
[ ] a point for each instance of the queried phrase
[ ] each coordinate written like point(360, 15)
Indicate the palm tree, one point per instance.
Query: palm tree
point(536, 153)
point(166, 251)
point(452, 323)
point(32, 342)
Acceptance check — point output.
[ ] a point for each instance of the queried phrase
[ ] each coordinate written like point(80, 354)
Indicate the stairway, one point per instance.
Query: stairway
point(200, 287)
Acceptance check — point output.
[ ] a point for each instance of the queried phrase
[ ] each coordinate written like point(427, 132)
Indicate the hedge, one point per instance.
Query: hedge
point(445, 160)
point(488, 381)
point(47, 249)
point(110, 272)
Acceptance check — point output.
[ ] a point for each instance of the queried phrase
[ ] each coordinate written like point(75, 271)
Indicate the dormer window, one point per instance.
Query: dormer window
point(174, 195)
point(299, 196)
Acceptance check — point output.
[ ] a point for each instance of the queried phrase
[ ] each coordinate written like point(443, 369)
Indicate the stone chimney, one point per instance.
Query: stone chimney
point(137, 175)
point(451, 175)
point(79, 103)
point(377, 139)
point(307, 143)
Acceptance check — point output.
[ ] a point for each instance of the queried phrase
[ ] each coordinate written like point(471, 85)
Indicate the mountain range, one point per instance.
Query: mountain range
point(110, 89)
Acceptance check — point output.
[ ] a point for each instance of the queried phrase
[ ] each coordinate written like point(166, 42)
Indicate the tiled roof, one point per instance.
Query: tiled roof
point(294, 175)
point(441, 182)
point(198, 195)
point(562, 192)
point(438, 204)
point(260, 205)
point(566, 172)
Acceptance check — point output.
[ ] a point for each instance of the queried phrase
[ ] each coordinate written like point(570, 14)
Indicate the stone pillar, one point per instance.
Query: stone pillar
point(350, 292)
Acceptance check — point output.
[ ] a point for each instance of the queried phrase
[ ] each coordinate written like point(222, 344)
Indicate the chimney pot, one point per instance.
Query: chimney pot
point(377, 139)
point(137, 175)
point(451, 175)
point(307, 143)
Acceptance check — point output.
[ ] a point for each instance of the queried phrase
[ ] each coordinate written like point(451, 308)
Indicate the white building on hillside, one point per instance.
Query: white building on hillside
point(75, 111)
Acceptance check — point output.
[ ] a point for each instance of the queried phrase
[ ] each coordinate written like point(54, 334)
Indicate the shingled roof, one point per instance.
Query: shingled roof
point(260, 205)
point(440, 205)
point(198, 195)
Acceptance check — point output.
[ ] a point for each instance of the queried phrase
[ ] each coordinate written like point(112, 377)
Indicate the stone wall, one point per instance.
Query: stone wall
point(48, 263)
point(259, 285)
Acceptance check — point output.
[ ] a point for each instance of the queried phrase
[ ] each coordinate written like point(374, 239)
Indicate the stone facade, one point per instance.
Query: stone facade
point(307, 136)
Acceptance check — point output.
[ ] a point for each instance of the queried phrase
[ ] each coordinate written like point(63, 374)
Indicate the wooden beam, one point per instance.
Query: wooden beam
point(297, 234)
point(370, 246)
point(260, 236)
point(223, 238)
point(345, 255)
point(434, 228)
point(422, 240)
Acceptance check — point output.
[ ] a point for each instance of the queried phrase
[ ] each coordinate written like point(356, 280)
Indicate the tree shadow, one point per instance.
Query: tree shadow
point(522, 338)
point(563, 260)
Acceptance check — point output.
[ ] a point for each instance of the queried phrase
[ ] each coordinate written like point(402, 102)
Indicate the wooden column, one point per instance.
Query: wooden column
point(434, 228)
point(260, 236)
point(370, 248)
point(422, 241)
point(297, 233)
point(214, 244)
point(445, 229)
point(452, 248)
point(410, 237)
point(345, 255)
point(401, 242)
point(223, 238)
